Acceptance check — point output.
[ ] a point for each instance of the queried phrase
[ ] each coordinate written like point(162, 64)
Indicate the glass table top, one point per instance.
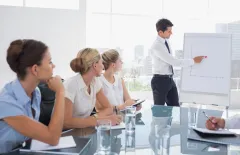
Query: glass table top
point(156, 135)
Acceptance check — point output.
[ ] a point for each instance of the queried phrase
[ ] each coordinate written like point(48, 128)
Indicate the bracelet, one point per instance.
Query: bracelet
point(115, 109)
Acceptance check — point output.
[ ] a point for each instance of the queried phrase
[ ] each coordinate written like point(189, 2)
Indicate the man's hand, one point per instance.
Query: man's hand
point(198, 59)
point(215, 123)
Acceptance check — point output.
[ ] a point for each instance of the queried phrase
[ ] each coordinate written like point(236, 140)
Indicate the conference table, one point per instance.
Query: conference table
point(154, 136)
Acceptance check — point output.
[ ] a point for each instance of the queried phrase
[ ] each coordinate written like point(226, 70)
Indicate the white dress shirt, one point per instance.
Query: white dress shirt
point(233, 122)
point(163, 60)
point(76, 91)
point(113, 91)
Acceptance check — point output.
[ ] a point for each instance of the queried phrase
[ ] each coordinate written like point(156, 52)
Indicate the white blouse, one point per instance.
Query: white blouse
point(114, 92)
point(76, 91)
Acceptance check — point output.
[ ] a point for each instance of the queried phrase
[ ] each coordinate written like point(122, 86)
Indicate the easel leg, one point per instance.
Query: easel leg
point(227, 111)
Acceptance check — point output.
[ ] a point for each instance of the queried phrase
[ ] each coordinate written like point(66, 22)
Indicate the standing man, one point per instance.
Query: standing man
point(163, 87)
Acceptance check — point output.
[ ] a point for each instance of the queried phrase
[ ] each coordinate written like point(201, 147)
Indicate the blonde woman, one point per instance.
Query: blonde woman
point(82, 90)
point(113, 86)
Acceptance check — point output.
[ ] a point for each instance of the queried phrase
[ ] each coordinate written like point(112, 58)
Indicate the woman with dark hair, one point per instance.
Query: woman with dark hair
point(20, 99)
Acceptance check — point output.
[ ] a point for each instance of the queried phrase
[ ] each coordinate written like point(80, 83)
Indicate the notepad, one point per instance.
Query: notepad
point(64, 142)
point(220, 132)
point(212, 137)
point(67, 145)
point(120, 126)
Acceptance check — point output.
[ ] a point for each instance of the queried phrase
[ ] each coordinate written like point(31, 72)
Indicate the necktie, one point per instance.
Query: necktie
point(169, 53)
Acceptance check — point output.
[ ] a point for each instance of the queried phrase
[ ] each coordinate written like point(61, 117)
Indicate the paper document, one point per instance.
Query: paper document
point(64, 142)
point(120, 126)
point(220, 131)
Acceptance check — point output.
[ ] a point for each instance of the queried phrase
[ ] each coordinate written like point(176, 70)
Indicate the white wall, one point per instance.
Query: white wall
point(64, 31)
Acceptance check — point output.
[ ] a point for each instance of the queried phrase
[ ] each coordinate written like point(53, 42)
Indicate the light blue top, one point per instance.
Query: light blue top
point(14, 102)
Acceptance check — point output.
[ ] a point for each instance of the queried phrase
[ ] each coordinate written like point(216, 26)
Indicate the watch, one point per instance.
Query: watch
point(95, 116)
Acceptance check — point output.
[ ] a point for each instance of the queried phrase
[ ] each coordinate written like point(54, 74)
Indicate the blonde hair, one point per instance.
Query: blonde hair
point(84, 60)
point(108, 57)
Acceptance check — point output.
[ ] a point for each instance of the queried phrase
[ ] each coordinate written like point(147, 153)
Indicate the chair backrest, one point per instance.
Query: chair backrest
point(47, 103)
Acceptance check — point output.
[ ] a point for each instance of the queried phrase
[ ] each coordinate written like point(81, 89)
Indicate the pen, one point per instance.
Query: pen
point(208, 118)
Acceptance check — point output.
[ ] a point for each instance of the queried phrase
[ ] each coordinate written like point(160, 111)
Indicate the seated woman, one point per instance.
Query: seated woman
point(82, 90)
point(20, 99)
point(113, 86)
